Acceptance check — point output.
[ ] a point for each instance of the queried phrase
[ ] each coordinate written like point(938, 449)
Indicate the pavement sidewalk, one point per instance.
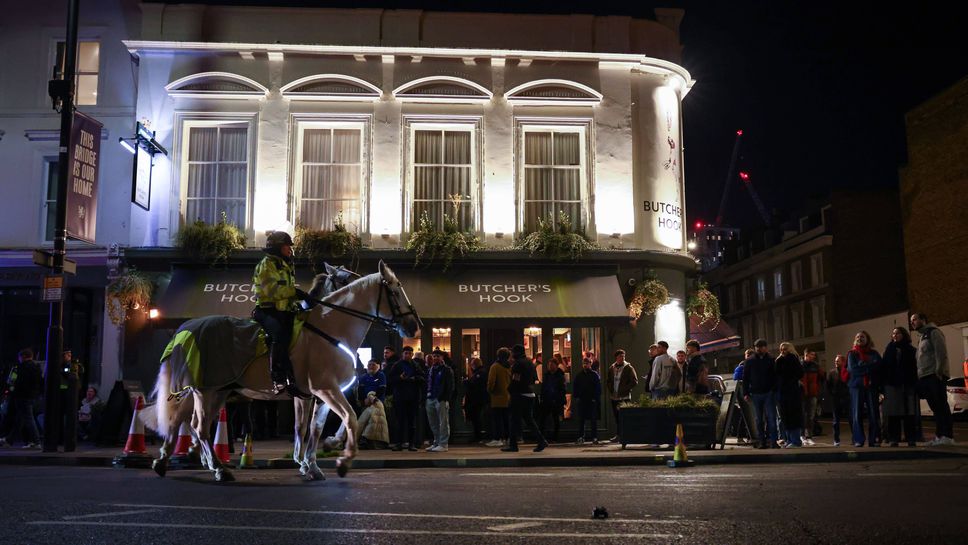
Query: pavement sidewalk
point(276, 454)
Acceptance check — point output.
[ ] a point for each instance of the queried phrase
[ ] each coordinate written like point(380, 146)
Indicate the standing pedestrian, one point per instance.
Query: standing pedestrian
point(374, 380)
point(405, 380)
point(862, 360)
point(440, 387)
point(621, 380)
point(812, 382)
point(498, 379)
point(647, 378)
point(681, 360)
point(25, 383)
point(743, 400)
point(900, 372)
point(552, 398)
point(665, 373)
point(759, 385)
point(932, 356)
point(523, 378)
point(697, 373)
point(475, 398)
point(789, 371)
point(587, 394)
point(838, 394)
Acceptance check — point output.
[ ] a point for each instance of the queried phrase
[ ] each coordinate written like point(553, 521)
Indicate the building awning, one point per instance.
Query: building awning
point(524, 294)
point(204, 291)
point(713, 338)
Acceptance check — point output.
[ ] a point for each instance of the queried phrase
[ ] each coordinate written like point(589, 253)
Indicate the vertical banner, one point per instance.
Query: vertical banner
point(84, 154)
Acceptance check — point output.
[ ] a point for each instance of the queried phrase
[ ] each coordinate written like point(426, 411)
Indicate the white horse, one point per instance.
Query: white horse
point(323, 359)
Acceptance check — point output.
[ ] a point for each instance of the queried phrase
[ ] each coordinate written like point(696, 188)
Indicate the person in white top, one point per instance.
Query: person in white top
point(666, 375)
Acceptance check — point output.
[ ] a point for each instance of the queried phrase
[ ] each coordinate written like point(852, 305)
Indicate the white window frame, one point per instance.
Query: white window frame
point(184, 122)
point(301, 124)
point(48, 161)
point(816, 270)
point(434, 123)
point(586, 184)
point(55, 61)
point(760, 289)
point(778, 284)
point(796, 276)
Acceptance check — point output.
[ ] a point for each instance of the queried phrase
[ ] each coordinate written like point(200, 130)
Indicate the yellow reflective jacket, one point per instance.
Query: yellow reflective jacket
point(275, 283)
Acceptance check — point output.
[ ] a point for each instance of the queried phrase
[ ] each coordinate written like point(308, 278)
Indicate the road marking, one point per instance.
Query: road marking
point(703, 476)
point(505, 474)
point(371, 514)
point(515, 526)
point(912, 474)
point(348, 530)
point(111, 514)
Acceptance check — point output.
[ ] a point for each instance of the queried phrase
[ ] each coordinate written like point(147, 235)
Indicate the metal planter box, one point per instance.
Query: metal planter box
point(657, 426)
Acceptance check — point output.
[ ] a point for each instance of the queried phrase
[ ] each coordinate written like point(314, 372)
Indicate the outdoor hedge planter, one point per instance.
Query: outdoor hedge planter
point(657, 426)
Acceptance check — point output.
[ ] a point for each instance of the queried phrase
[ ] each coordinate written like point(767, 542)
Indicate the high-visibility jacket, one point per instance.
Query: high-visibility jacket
point(275, 283)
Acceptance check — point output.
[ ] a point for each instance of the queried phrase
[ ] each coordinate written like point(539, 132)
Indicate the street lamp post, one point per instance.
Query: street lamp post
point(53, 412)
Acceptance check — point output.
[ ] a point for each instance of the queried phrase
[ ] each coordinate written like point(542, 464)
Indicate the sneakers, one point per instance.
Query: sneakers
point(613, 439)
point(431, 448)
point(580, 441)
point(595, 442)
point(541, 446)
point(438, 448)
point(30, 446)
point(809, 442)
point(494, 443)
point(836, 443)
point(397, 448)
point(942, 442)
point(781, 442)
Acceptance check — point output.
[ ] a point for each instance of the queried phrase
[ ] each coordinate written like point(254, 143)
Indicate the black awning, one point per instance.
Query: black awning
point(195, 292)
point(711, 339)
point(515, 294)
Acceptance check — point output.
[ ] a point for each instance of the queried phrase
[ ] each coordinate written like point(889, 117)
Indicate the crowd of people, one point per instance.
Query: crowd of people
point(881, 389)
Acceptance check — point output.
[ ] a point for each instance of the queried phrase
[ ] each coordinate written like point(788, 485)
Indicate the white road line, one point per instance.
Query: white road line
point(371, 514)
point(505, 474)
point(703, 476)
point(912, 474)
point(111, 514)
point(349, 530)
point(515, 526)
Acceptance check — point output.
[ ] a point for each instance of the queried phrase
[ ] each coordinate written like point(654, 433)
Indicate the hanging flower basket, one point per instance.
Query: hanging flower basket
point(209, 242)
point(429, 242)
point(649, 295)
point(704, 305)
point(555, 238)
point(129, 292)
point(316, 245)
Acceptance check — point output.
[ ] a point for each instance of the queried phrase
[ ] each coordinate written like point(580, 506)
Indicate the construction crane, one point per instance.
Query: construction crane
point(756, 197)
point(729, 177)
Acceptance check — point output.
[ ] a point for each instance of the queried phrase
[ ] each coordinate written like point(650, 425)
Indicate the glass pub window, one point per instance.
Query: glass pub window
point(217, 173)
point(88, 61)
point(552, 177)
point(50, 197)
point(331, 174)
point(442, 170)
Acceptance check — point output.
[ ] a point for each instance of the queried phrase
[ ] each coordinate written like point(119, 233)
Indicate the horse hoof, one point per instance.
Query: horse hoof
point(304, 470)
point(342, 469)
point(224, 476)
point(316, 475)
point(160, 467)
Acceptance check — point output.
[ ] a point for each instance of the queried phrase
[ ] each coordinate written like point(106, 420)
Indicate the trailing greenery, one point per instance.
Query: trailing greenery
point(555, 238)
point(429, 242)
point(315, 245)
point(649, 295)
point(704, 305)
point(130, 291)
point(209, 242)
point(681, 402)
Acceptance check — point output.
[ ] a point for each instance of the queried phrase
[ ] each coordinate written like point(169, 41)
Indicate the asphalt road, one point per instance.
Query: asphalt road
point(885, 502)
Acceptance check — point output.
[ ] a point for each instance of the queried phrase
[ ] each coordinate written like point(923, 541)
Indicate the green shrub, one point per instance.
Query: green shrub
point(213, 243)
point(429, 242)
point(680, 402)
point(556, 239)
point(316, 245)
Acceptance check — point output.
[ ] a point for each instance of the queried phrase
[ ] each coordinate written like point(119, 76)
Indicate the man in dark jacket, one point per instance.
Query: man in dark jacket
point(696, 371)
point(25, 383)
point(587, 395)
point(523, 378)
point(440, 388)
point(759, 384)
point(552, 398)
point(404, 381)
point(837, 391)
point(475, 398)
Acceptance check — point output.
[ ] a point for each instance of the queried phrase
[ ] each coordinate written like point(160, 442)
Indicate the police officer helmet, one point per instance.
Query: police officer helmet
point(278, 239)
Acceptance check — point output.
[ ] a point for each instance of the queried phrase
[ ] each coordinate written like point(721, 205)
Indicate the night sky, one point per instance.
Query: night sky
point(820, 89)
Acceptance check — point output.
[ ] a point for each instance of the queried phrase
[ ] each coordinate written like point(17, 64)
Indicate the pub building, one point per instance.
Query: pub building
point(289, 117)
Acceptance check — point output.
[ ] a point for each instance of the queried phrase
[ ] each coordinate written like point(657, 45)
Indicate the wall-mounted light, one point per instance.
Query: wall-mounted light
point(127, 145)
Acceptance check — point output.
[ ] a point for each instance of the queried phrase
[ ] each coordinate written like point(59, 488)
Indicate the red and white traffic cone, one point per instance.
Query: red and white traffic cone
point(184, 440)
point(135, 454)
point(222, 437)
point(184, 457)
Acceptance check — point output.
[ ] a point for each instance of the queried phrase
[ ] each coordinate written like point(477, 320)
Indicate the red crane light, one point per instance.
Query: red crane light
point(698, 225)
point(739, 132)
point(744, 176)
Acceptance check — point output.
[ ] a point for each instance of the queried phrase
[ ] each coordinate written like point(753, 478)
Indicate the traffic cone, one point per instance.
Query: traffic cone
point(222, 437)
point(184, 440)
point(135, 454)
point(246, 461)
point(183, 457)
point(679, 456)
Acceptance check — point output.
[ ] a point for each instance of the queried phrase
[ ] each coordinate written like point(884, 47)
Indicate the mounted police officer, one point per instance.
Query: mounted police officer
point(277, 303)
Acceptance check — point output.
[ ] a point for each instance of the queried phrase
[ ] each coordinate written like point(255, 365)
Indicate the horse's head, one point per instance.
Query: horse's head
point(401, 312)
point(333, 279)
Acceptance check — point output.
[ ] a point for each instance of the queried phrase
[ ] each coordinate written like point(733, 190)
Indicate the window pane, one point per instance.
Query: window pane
point(346, 182)
point(567, 151)
point(51, 220)
point(201, 181)
point(537, 184)
point(234, 211)
point(537, 148)
point(311, 214)
point(457, 181)
point(202, 143)
point(567, 185)
point(573, 209)
point(231, 181)
point(88, 54)
point(427, 184)
point(86, 90)
point(233, 144)
point(533, 211)
point(457, 148)
point(346, 146)
point(317, 146)
point(427, 147)
point(200, 209)
point(315, 179)
point(52, 168)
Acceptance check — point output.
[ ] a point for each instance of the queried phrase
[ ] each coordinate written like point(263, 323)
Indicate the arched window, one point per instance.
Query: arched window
point(331, 87)
point(216, 85)
point(553, 92)
point(442, 89)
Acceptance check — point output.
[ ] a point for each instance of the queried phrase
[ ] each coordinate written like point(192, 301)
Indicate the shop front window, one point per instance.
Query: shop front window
point(532, 341)
point(470, 347)
point(562, 350)
point(441, 339)
point(413, 342)
point(591, 345)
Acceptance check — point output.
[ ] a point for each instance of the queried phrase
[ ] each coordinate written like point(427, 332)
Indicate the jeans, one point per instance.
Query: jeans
point(837, 411)
point(933, 390)
point(26, 424)
point(499, 416)
point(618, 422)
point(859, 398)
point(809, 416)
point(522, 407)
point(764, 406)
point(438, 413)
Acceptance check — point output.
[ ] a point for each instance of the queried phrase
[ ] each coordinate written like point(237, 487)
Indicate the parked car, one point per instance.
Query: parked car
point(957, 398)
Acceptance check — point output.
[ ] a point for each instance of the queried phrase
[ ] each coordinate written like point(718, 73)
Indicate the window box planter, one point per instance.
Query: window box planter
point(657, 426)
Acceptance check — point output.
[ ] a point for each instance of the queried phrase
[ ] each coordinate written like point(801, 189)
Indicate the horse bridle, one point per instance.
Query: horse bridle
point(396, 312)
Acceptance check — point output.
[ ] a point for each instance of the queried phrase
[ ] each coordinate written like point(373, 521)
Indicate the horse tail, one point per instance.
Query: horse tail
point(171, 404)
